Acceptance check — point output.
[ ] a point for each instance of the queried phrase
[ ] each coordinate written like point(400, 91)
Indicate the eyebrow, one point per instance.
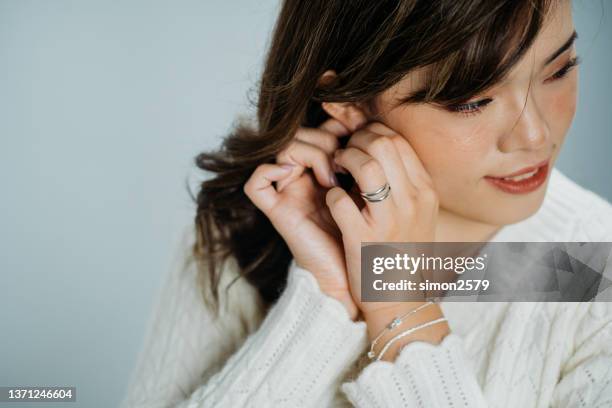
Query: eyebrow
point(562, 49)
point(570, 41)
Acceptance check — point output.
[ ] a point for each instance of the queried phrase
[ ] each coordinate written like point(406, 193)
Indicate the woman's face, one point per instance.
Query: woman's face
point(517, 129)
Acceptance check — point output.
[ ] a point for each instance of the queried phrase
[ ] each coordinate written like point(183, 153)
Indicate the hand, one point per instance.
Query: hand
point(297, 207)
point(374, 156)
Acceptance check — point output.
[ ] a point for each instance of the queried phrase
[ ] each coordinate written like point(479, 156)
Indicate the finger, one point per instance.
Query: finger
point(295, 173)
point(335, 127)
point(324, 140)
point(308, 156)
point(414, 166)
point(259, 186)
point(384, 150)
point(380, 128)
point(370, 177)
point(344, 212)
point(326, 136)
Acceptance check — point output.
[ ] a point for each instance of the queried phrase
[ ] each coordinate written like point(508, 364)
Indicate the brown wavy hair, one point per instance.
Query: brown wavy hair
point(466, 46)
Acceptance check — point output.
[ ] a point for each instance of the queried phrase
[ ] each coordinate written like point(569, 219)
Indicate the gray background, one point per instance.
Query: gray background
point(103, 106)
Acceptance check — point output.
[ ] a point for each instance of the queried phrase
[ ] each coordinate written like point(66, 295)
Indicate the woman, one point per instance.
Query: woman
point(440, 101)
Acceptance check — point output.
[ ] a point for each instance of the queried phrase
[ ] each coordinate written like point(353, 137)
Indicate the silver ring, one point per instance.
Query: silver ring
point(378, 195)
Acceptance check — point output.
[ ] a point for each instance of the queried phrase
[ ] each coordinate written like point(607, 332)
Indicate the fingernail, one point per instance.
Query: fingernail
point(335, 167)
point(334, 180)
point(287, 166)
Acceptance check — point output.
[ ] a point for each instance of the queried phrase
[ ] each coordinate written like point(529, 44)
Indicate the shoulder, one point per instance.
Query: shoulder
point(237, 297)
point(574, 213)
point(185, 343)
point(182, 305)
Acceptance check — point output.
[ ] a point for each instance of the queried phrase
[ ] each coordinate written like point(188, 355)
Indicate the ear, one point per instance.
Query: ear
point(350, 114)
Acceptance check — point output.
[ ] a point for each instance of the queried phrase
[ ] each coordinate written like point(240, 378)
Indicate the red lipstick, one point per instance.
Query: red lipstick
point(524, 185)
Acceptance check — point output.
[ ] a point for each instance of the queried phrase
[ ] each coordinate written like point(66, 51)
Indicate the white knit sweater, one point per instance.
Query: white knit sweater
point(307, 352)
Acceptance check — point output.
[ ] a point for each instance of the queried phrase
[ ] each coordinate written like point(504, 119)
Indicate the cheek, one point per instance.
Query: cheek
point(449, 148)
point(562, 106)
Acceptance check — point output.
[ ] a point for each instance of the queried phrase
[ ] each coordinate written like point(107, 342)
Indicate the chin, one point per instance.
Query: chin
point(502, 209)
point(513, 209)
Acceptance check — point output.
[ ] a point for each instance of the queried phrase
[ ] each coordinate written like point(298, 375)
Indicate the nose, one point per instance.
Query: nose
point(528, 130)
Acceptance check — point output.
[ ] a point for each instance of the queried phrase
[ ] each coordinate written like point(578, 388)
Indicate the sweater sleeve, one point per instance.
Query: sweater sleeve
point(423, 375)
point(436, 376)
point(586, 377)
point(295, 357)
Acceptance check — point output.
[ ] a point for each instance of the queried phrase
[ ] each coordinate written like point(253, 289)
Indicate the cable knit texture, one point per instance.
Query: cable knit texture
point(306, 352)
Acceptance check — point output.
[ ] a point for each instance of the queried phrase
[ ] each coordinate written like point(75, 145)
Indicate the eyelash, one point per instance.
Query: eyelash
point(474, 108)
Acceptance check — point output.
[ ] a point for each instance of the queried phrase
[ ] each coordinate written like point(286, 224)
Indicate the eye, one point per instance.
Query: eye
point(474, 108)
point(470, 108)
point(566, 68)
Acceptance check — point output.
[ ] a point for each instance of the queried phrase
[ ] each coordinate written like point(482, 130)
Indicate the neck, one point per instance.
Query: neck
point(455, 228)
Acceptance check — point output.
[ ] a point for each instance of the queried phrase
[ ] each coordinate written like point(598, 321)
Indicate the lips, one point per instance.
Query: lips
point(522, 181)
point(523, 170)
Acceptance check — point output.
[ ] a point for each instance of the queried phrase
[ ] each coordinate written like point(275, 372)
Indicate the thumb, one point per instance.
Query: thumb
point(343, 210)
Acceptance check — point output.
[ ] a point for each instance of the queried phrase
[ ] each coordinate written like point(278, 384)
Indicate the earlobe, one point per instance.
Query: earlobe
point(347, 113)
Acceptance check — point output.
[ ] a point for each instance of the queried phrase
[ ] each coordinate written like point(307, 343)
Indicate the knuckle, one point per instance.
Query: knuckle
point(396, 139)
point(329, 142)
point(359, 137)
point(427, 183)
point(320, 155)
point(428, 195)
point(246, 188)
point(294, 146)
point(249, 182)
point(302, 133)
point(370, 166)
point(413, 200)
point(319, 138)
point(409, 211)
point(375, 128)
point(293, 153)
point(285, 152)
point(382, 144)
point(305, 149)
point(379, 128)
point(341, 201)
point(331, 198)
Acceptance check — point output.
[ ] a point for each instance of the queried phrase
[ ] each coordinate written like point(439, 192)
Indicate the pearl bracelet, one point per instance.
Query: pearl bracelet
point(407, 332)
point(394, 323)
